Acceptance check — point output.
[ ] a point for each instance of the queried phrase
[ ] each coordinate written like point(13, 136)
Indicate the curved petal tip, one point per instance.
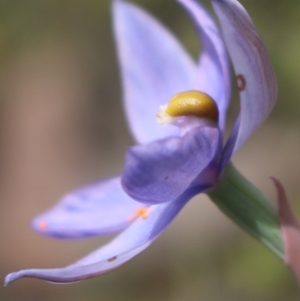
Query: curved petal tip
point(11, 278)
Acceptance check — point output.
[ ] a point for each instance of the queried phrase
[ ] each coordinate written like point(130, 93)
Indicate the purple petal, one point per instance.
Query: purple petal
point(127, 245)
point(154, 68)
point(97, 209)
point(290, 230)
point(161, 171)
point(214, 71)
point(255, 76)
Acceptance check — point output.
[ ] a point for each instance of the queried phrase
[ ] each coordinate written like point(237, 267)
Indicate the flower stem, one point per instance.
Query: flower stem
point(244, 204)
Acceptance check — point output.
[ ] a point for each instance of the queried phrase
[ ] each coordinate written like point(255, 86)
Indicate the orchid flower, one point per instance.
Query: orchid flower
point(181, 147)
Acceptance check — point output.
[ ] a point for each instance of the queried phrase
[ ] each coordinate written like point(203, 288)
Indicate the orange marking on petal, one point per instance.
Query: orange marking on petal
point(132, 217)
point(142, 212)
point(43, 225)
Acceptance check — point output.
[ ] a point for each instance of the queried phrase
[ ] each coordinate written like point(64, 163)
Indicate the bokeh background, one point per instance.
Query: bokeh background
point(62, 125)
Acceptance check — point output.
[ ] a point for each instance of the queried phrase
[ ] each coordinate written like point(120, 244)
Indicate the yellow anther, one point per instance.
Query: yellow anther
point(142, 212)
point(193, 103)
point(43, 225)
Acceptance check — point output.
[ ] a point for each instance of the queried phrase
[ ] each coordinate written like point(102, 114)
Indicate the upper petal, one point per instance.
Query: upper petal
point(255, 76)
point(125, 246)
point(97, 209)
point(154, 67)
point(162, 170)
point(290, 228)
point(213, 75)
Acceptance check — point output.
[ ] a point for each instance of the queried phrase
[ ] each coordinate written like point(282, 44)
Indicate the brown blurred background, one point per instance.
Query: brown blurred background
point(62, 125)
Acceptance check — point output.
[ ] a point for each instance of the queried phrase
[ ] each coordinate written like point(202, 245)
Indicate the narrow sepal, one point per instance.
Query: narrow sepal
point(255, 77)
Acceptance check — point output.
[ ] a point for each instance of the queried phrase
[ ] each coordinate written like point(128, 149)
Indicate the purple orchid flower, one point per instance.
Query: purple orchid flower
point(174, 162)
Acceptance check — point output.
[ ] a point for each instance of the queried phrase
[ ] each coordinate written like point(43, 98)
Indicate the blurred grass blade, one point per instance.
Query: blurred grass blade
point(244, 204)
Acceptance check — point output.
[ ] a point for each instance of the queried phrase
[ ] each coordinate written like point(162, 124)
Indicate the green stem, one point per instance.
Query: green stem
point(244, 204)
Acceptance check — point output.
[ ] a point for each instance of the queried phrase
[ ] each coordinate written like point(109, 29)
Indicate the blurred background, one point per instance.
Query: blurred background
point(62, 126)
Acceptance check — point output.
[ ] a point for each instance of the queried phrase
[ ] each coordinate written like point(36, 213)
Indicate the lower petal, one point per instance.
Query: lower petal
point(125, 246)
point(97, 209)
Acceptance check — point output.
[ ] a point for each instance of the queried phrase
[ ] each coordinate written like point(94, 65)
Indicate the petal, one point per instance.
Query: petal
point(290, 230)
point(154, 68)
point(127, 245)
point(214, 71)
point(161, 171)
point(97, 209)
point(255, 76)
